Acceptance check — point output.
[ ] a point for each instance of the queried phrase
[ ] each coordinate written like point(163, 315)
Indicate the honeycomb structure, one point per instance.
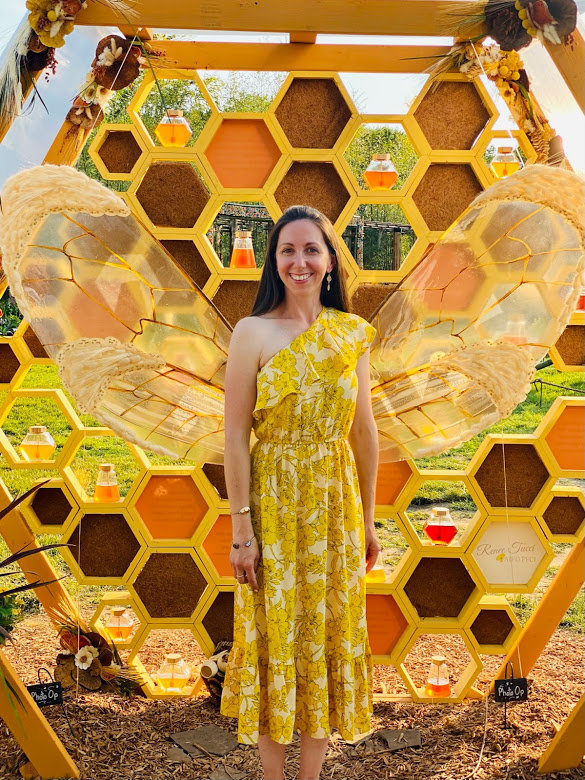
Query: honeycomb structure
point(164, 546)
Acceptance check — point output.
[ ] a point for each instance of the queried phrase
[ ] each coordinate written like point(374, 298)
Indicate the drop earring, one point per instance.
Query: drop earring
point(328, 282)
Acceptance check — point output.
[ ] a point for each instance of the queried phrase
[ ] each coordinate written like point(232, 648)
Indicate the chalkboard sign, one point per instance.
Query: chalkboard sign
point(511, 689)
point(46, 694)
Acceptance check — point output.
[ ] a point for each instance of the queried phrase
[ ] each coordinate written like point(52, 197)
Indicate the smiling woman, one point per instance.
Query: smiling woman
point(298, 374)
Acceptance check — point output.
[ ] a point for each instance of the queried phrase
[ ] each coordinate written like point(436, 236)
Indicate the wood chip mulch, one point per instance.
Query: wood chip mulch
point(118, 738)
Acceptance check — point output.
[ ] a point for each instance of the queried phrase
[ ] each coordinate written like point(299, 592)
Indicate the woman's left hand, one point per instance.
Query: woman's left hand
point(372, 546)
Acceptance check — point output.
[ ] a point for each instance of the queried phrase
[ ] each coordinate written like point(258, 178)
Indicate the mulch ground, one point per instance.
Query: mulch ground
point(118, 738)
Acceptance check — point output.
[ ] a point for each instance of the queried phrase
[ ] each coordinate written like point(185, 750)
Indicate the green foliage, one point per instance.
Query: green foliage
point(11, 316)
point(8, 615)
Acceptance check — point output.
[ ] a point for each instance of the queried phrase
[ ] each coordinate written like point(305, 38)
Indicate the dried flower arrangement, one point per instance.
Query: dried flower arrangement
point(506, 70)
point(87, 659)
point(43, 31)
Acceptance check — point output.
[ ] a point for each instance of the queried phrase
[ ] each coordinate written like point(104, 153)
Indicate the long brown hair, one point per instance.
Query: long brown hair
point(271, 288)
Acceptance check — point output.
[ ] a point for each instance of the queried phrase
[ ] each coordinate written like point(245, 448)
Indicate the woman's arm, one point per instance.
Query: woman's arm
point(240, 398)
point(363, 438)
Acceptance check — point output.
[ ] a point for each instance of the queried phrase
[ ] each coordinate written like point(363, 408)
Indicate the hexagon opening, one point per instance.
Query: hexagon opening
point(186, 96)
point(159, 642)
point(451, 115)
point(525, 475)
point(564, 515)
point(119, 151)
point(442, 493)
point(235, 298)
point(315, 183)
point(95, 450)
point(439, 587)
point(9, 364)
point(103, 545)
point(33, 410)
point(217, 544)
point(51, 506)
point(379, 236)
point(189, 259)
point(251, 216)
point(172, 194)
point(313, 113)
point(242, 153)
point(508, 553)
point(171, 506)
point(492, 627)
point(381, 138)
point(216, 476)
point(566, 438)
point(170, 585)
point(444, 192)
point(219, 618)
point(386, 622)
point(451, 646)
point(394, 550)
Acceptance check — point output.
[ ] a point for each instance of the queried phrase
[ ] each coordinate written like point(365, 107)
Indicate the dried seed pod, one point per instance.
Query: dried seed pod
point(505, 26)
point(116, 63)
point(85, 116)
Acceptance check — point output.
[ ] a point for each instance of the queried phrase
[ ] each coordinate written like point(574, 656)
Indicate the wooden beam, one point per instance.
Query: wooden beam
point(30, 728)
point(18, 536)
point(303, 37)
point(192, 55)
point(343, 17)
point(142, 33)
point(67, 146)
point(570, 62)
point(568, 745)
point(546, 617)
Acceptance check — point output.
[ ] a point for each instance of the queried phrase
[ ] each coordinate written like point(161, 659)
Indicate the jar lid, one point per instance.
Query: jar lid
point(505, 149)
point(243, 234)
point(174, 112)
point(439, 659)
point(173, 657)
point(442, 511)
point(37, 429)
point(118, 611)
point(384, 156)
point(106, 467)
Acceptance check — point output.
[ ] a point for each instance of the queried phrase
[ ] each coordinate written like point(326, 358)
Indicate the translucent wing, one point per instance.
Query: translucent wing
point(458, 339)
point(138, 345)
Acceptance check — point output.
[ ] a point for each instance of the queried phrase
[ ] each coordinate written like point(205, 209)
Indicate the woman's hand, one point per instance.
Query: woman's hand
point(245, 559)
point(372, 546)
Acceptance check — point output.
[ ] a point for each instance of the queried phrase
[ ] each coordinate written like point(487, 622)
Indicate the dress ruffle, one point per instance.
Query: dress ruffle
point(264, 690)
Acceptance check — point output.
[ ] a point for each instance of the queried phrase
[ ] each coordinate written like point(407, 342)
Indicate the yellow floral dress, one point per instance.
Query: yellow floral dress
point(301, 657)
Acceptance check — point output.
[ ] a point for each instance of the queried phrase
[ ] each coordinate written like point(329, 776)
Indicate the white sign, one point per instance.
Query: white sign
point(508, 553)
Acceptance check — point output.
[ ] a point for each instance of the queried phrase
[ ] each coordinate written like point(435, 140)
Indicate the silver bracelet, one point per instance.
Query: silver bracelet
point(246, 544)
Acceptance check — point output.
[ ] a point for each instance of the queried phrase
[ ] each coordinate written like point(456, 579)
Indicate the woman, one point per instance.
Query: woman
point(302, 502)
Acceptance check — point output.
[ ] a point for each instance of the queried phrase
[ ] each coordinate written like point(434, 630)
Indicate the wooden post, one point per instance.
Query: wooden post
point(568, 745)
point(45, 751)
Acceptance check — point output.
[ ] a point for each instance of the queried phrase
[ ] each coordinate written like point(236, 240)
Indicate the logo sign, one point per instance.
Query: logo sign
point(46, 694)
point(508, 553)
point(511, 689)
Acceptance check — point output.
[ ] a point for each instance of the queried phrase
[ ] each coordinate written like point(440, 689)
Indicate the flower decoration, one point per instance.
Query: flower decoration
point(86, 656)
point(52, 20)
point(87, 659)
point(117, 62)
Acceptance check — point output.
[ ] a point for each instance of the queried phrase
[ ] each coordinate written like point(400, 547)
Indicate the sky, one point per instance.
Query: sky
point(32, 133)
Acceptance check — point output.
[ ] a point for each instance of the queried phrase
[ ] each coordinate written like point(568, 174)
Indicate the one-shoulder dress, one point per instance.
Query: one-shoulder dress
point(301, 657)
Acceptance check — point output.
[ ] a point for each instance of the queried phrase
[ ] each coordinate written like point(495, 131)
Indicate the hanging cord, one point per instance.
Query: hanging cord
point(509, 536)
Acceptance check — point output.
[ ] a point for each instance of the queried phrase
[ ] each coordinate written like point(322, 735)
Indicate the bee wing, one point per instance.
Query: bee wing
point(138, 344)
point(458, 339)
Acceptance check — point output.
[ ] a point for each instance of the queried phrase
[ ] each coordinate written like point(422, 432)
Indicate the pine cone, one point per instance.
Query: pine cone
point(505, 26)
